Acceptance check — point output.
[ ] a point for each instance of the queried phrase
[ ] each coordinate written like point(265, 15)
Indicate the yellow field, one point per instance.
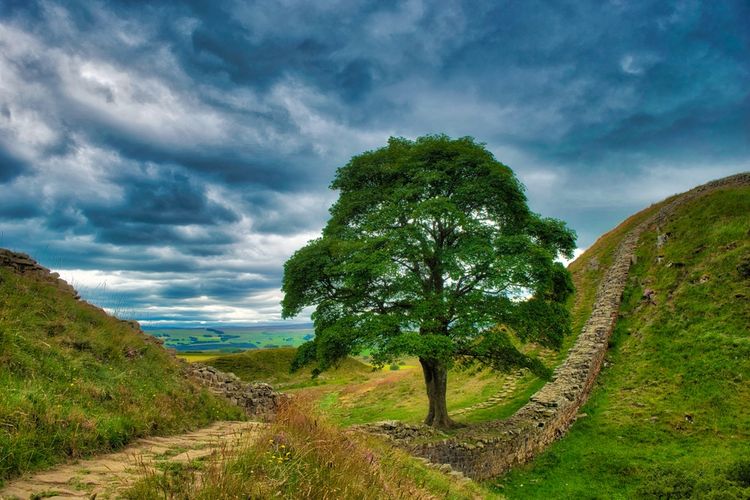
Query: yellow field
point(197, 358)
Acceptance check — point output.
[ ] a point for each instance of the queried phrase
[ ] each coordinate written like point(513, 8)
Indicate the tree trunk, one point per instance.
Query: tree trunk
point(436, 380)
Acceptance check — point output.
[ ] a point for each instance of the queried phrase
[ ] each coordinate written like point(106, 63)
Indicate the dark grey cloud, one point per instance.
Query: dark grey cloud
point(10, 166)
point(170, 199)
point(181, 151)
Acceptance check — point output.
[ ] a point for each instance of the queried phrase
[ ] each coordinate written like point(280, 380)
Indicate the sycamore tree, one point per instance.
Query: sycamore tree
point(431, 251)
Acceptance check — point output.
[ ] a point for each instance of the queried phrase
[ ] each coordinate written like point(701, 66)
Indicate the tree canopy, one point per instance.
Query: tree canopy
point(431, 251)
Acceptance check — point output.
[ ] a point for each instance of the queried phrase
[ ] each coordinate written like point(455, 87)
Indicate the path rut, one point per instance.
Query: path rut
point(107, 476)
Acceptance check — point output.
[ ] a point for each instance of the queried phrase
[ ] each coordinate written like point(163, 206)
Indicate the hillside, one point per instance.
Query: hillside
point(668, 418)
point(273, 366)
point(76, 381)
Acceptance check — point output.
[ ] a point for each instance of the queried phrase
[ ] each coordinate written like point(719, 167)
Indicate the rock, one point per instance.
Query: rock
point(593, 264)
point(661, 239)
point(131, 353)
point(743, 268)
point(20, 263)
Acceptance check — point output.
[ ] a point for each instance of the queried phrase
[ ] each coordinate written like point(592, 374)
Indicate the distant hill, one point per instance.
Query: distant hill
point(273, 366)
point(75, 381)
point(669, 417)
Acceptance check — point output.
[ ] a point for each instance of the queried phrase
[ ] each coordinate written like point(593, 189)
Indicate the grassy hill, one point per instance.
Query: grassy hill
point(273, 366)
point(669, 417)
point(75, 381)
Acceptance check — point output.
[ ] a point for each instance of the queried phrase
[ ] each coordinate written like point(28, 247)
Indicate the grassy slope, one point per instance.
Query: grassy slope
point(76, 381)
point(272, 366)
point(669, 416)
point(401, 396)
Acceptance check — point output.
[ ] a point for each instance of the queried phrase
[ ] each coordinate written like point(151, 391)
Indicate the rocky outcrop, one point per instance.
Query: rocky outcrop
point(21, 263)
point(258, 400)
point(489, 449)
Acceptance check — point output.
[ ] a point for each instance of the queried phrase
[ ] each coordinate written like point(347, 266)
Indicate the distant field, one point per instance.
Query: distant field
point(230, 339)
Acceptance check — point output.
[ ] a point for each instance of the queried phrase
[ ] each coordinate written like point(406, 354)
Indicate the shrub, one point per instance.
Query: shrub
point(664, 482)
point(739, 472)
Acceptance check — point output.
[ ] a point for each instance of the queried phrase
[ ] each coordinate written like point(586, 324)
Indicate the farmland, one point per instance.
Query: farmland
point(192, 342)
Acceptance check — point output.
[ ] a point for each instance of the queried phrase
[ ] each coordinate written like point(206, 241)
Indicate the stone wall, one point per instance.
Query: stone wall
point(258, 400)
point(21, 263)
point(490, 449)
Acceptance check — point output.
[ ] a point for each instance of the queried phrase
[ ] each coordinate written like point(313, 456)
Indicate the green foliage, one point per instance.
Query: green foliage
point(429, 247)
point(669, 416)
point(75, 381)
point(304, 356)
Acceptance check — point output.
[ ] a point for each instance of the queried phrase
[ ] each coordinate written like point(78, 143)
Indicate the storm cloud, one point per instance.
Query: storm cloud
point(169, 157)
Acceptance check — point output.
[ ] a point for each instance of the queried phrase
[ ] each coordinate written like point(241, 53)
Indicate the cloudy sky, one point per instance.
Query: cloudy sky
point(168, 157)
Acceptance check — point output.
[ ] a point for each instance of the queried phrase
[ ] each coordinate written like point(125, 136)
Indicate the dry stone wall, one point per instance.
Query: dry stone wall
point(490, 449)
point(258, 400)
point(21, 263)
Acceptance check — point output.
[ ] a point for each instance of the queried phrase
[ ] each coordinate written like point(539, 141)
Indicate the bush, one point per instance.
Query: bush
point(739, 472)
point(663, 482)
point(673, 483)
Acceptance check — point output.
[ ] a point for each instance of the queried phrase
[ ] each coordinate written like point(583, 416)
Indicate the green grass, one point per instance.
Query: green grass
point(401, 396)
point(669, 417)
point(273, 366)
point(76, 381)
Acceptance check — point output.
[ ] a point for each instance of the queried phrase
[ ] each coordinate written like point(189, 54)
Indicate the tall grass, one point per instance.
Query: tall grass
point(301, 455)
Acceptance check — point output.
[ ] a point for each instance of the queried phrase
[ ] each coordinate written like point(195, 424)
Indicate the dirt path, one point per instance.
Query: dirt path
point(107, 475)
